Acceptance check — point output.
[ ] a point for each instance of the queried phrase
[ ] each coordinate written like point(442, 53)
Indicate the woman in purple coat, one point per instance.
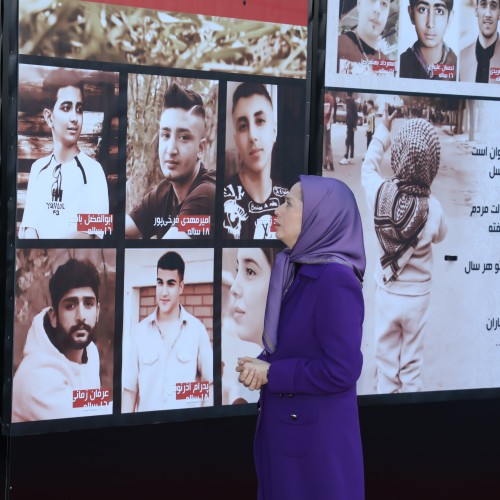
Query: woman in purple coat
point(307, 441)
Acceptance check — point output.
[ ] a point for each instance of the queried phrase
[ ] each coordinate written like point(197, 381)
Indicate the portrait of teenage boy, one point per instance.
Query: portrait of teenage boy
point(187, 188)
point(168, 347)
point(431, 19)
point(478, 58)
point(67, 182)
point(251, 195)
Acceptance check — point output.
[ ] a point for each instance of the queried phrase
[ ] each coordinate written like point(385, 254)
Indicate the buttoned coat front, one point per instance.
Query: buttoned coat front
point(307, 441)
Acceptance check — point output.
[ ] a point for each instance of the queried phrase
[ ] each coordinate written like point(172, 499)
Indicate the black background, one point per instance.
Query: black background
point(447, 450)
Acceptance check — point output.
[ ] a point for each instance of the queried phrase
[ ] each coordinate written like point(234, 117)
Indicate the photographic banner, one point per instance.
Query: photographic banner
point(392, 45)
point(417, 145)
point(136, 123)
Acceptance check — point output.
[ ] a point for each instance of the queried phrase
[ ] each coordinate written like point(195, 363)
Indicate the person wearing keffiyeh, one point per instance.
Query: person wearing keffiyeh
point(407, 221)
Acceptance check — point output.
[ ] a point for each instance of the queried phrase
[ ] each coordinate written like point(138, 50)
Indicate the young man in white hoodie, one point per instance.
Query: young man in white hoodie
point(60, 356)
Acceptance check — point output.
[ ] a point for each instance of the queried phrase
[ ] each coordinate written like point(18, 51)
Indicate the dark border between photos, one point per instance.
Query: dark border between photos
point(120, 244)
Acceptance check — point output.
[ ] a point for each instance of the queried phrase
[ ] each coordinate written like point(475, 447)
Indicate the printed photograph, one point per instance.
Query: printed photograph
point(479, 42)
point(263, 157)
point(171, 157)
point(167, 329)
point(116, 33)
point(368, 37)
point(64, 328)
point(428, 39)
point(67, 153)
point(245, 281)
point(425, 173)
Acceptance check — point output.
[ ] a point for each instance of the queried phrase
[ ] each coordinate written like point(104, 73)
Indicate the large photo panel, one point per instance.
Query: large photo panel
point(167, 359)
point(426, 182)
point(145, 91)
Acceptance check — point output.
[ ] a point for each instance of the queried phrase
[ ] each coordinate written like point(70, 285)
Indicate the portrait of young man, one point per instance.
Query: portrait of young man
point(60, 355)
point(429, 57)
point(188, 188)
point(480, 58)
point(67, 183)
point(167, 348)
point(251, 195)
point(360, 45)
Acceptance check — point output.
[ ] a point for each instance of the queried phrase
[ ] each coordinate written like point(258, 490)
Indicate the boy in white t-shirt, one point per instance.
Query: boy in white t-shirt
point(68, 183)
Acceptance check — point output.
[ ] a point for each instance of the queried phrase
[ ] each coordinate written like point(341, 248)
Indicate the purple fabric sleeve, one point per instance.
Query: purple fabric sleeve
point(338, 327)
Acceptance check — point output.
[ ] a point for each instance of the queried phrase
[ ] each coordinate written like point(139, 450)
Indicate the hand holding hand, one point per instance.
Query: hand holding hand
point(253, 372)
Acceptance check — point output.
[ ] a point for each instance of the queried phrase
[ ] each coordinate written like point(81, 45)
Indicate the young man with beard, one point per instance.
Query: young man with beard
point(59, 355)
point(251, 196)
point(477, 59)
point(168, 347)
point(188, 188)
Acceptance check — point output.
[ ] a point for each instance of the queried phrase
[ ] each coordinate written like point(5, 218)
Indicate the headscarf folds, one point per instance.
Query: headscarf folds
point(331, 232)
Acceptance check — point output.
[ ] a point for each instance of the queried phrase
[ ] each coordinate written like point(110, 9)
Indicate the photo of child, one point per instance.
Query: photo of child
point(408, 221)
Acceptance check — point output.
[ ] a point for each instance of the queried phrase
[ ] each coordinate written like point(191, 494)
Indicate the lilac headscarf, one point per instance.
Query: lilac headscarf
point(331, 232)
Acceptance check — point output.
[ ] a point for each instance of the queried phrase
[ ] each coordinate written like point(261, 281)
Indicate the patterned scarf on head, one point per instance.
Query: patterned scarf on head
point(402, 203)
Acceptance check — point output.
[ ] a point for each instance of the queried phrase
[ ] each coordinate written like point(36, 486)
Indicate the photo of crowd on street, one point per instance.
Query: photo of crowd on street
point(418, 166)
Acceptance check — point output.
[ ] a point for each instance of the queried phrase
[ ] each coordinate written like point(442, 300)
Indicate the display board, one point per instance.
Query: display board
point(153, 146)
point(410, 123)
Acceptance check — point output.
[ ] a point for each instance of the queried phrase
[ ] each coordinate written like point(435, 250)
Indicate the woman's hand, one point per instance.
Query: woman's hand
point(253, 372)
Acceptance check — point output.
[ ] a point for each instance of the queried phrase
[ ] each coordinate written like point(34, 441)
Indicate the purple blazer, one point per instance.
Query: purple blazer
point(307, 441)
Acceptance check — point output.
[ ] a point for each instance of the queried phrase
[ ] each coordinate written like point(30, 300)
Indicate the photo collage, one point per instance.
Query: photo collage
point(149, 169)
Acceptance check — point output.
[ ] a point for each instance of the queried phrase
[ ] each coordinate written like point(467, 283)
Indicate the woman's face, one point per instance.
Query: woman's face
point(249, 293)
point(289, 217)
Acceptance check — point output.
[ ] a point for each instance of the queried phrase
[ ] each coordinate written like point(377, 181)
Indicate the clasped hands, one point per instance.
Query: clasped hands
point(253, 372)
